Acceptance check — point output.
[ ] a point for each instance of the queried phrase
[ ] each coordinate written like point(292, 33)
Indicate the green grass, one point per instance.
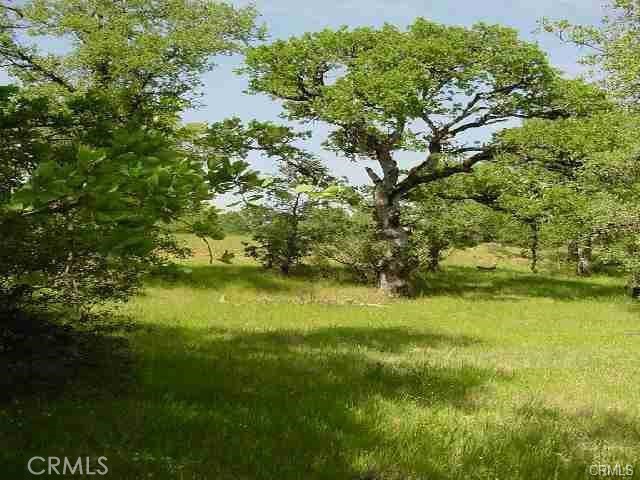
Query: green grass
point(240, 374)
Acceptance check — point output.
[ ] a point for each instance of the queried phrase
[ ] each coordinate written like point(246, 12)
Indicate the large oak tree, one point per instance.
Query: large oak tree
point(384, 91)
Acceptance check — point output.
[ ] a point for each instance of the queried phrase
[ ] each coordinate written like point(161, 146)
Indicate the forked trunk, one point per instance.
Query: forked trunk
point(397, 265)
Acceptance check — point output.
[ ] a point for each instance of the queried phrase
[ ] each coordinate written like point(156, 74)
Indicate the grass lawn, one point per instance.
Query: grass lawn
point(239, 374)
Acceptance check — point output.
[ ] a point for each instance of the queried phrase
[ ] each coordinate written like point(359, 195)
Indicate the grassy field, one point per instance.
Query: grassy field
point(238, 374)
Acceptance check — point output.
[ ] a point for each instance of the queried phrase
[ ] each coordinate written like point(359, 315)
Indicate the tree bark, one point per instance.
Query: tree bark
point(433, 262)
point(206, 242)
point(397, 265)
point(285, 267)
point(584, 268)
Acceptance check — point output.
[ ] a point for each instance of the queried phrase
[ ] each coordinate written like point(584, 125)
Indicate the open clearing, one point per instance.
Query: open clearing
point(241, 374)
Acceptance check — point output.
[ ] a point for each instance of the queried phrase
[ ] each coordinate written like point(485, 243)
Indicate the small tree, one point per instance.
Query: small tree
point(204, 223)
point(277, 209)
point(386, 91)
point(281, 231)
point(277, 240)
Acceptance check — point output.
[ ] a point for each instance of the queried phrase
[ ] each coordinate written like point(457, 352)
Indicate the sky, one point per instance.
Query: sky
point(223, 90)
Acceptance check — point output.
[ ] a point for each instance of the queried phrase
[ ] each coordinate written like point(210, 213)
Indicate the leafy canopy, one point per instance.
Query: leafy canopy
point(140, 57)
point(410, 90)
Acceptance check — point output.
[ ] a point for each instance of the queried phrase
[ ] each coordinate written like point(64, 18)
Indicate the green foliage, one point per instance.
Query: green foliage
point(203, 221)
point(227, 144)
point(578, 179)
point(373, 79)
point(612, 47)
point(135, 58)
point(277, 241)
point(27, 125)
point(206, 224)
point(81, 224)
point(440, 224)
point(351, 241)
point(233, 223)
point(277, 209)
point(94, 162)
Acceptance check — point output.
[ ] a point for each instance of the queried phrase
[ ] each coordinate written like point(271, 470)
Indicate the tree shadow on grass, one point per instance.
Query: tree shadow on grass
point(214, 277)
point(452, 281)
point(328, 403)
point(220, 404)
point(389, 340)
point(39, 355)
point(290, 404)
point(510, 285)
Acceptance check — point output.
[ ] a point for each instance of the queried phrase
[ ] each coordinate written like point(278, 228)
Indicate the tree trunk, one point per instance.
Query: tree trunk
point(634, 286)
point(395, 268)
point(397, 265)
point(292, 244)
point(535, 246)
point(572, 251)
point(584, 258)
point(206, 242)
point(285, 267)
point(433, 262)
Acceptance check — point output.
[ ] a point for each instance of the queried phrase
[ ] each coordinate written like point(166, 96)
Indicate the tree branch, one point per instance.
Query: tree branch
point(415, 178)
point(487, 119)
point(14, 57)
point(485, 199)
point(15, 10)
point(373, 176)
